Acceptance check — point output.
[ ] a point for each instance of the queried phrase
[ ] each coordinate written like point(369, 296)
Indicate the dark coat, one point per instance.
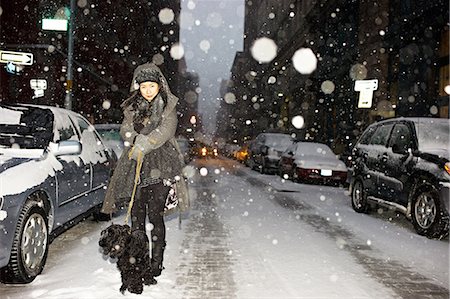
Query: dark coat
point(122, 182)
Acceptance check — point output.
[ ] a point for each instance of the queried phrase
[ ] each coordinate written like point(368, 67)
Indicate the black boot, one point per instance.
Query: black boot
point(157, 258)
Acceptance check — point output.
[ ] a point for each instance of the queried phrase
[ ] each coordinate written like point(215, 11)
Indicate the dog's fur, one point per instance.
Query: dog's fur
point(131, 248)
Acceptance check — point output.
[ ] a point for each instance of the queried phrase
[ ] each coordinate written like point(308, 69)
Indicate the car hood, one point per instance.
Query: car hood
point(313, 162)
point(18, 174)
point(441, 153)
point(9, 162)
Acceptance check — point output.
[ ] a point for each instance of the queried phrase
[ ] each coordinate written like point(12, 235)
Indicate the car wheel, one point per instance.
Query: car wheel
point(428, 217)
point(262, 168)
point(30, 246)
point(359, 197)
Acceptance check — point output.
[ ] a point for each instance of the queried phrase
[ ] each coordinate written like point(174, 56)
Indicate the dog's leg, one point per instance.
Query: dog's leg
point(135, 282)
point(124, 286)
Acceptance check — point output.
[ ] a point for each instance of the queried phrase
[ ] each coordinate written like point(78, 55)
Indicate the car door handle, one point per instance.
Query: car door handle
point(87, 168)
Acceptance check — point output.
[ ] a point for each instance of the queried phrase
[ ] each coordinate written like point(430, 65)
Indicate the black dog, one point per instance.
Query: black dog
point(131, 248)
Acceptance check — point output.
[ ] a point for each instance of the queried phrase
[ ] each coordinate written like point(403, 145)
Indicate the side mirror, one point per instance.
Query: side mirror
point(66, 147)
point(399, 149)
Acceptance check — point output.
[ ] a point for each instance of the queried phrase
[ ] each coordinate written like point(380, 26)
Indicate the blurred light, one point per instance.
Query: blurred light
point(447, 167)
point(447, 89)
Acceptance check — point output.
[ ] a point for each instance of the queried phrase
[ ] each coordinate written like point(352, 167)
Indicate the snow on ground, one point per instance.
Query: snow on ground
point(272, 252)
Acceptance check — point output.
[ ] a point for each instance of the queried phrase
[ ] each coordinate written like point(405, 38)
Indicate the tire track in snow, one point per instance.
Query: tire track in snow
point(402, 280)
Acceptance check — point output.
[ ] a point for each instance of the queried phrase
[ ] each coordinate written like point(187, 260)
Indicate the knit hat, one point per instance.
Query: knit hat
point(148, 75)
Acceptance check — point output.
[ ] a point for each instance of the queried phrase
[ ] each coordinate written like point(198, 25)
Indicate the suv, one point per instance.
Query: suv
point(404, 164)
point(265, 151)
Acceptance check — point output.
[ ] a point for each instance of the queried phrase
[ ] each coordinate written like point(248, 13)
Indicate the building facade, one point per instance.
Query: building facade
point(402, 44)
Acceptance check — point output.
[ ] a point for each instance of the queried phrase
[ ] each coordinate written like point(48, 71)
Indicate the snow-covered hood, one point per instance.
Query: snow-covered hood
point(442, 153)
point(18, 174)
point(6, 163)
point(313, 162)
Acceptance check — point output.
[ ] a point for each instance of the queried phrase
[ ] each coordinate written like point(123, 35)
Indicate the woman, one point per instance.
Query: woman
point(148, 128)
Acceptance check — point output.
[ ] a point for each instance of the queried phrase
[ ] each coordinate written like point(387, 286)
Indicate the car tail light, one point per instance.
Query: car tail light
point(447, 167)
point(304, 173)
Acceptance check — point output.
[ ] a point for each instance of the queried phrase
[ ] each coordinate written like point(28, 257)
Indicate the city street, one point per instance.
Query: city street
point(250, 235)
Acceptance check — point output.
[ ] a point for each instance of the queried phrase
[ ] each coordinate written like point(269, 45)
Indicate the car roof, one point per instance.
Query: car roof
point(415, 120)
point(276, 134)
point(107, 126)
point(55, 110)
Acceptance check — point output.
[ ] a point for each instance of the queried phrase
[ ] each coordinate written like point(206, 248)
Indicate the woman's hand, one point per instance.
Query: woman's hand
point(135, 153)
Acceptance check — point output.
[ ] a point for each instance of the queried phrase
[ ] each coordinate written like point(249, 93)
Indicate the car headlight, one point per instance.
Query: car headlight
point(447, 167)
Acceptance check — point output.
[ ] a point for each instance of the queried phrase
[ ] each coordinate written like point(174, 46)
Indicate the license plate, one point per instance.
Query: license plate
point(326, 172)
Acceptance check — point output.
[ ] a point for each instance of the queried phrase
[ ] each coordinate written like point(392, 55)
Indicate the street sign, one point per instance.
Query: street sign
point(38, 84)
point(366, 88)
point(366, 85)
point(365, 99)
point(54, 24)
point(16, 57)
point(14, 69)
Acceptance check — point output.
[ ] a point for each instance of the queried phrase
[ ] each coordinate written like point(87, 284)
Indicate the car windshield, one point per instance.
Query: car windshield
point(433, 134)
point(25, 127)
point(278, 140)
point(109, 134)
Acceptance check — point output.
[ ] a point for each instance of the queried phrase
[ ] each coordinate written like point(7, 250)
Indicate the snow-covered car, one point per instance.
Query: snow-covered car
point(265, 151)
point(404, 164)
point(110, 134)
point(311, 162)
point(54, 170)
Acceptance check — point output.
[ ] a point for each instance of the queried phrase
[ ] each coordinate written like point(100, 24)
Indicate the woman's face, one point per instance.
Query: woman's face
point(149, 90)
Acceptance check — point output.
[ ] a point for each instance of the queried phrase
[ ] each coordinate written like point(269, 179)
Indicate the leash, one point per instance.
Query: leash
point(136, 182)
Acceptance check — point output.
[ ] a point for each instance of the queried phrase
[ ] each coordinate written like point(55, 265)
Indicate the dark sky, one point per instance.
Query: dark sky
point(211, 33)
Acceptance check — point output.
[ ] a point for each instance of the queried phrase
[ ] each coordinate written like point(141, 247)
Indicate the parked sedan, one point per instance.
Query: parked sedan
point(404, 164)
point(310, 162)
point(54, 170)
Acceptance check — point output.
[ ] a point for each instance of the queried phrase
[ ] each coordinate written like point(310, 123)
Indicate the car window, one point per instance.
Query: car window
point(66, 133)
point(401, 136)
point(291, 149)
point(25, 127)
point(365, 138)
point(110, 134)
point(381, 135)
point(64, 127)
point(88, 135)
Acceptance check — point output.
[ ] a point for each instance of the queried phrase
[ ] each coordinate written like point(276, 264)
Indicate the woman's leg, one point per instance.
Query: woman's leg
point(157, 194)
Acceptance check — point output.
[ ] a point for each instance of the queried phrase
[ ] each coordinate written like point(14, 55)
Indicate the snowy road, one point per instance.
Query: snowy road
point(256, 236)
